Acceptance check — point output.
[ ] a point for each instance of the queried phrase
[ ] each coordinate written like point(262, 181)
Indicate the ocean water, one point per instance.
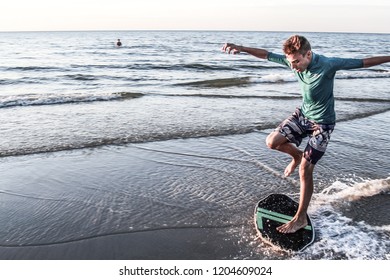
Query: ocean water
point(167, 133)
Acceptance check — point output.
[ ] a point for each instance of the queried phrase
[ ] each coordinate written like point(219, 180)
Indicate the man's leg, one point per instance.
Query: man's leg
point(314, 150)
point(277, 141)
point(306, 178)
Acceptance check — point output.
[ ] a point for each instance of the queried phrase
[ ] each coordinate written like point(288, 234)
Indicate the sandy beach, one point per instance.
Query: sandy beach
point(176, 199)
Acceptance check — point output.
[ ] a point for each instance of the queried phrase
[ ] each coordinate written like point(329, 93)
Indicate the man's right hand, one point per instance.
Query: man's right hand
point(231, 48)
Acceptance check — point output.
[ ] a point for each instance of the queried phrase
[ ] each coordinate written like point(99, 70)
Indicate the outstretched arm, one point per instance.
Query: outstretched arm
point(376, 60)
point(234, 49)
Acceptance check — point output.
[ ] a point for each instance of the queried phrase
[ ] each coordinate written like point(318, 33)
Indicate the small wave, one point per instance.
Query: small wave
point(342, 237)
point(203, 67)
point(354, 116)
point(34, 68)
point(241, 81)
point(24, 80)
point(371, 74)
point(129, 95)
point(232, 96)
point(7, 82)
point(52, 99)
point(219, 83)
point(252, 66)
point(276, 78)
point(128, 139)
point(285, 78)
point(177, 67)
point(81, 77)
point(158, 66)
point(362, 99)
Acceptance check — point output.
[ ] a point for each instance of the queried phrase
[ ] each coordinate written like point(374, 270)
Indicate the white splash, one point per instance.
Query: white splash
point(342, 191)
point(339, 237)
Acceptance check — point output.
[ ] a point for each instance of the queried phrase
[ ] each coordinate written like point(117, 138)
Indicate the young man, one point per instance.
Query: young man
point(315, 118)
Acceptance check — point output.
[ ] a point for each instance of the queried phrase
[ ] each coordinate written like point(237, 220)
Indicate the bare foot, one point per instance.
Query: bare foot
point(293, 164)
point(293, 225)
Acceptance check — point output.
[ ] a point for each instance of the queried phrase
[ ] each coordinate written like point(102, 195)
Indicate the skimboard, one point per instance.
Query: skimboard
point(278, 209)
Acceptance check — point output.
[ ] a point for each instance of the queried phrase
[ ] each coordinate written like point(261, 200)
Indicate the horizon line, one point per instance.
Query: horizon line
point(187, 30)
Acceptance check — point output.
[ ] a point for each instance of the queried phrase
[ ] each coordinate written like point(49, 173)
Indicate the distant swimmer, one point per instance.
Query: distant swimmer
point(119, 43)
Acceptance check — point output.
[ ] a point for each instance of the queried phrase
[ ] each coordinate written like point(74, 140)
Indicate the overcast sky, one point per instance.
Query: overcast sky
point(247, 15)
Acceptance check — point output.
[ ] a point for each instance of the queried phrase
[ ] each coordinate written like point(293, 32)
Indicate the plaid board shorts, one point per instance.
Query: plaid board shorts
point(297, 127)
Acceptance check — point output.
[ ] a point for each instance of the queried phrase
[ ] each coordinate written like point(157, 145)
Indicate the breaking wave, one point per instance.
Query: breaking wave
point(52, 99)
point(278, 78)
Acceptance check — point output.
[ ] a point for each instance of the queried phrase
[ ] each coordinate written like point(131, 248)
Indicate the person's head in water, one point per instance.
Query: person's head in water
point(298, 52)
point(119, 43)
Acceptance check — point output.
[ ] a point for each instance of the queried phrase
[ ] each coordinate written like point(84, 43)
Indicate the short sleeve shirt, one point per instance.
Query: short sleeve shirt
point(317, 84)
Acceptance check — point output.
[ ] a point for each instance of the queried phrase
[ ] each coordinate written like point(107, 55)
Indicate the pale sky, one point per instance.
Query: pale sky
point(371, 16)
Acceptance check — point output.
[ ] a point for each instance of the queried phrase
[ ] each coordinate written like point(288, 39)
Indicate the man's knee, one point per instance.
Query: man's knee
point(274, 140)
point(270, 142)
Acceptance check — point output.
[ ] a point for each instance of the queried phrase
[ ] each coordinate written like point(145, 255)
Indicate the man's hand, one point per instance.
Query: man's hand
point(231, 48)
point(235, 49)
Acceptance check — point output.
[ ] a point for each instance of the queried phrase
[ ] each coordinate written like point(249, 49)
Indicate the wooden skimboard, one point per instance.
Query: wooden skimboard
point(278, 209)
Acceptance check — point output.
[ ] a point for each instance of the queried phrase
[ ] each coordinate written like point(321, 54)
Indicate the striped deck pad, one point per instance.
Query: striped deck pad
point(278, 209)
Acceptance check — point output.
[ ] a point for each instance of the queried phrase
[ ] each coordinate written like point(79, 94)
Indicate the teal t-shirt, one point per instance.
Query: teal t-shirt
point(317, 84)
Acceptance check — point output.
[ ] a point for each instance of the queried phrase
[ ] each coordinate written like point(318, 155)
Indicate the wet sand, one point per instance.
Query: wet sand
point(179, 199)
point(154, 201)
point(166, 244)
